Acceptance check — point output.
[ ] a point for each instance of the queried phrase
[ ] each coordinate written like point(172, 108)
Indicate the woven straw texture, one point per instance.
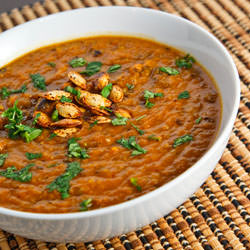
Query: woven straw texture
point(217, 216)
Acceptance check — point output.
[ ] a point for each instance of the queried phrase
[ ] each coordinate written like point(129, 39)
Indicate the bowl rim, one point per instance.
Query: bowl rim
point(127, 204)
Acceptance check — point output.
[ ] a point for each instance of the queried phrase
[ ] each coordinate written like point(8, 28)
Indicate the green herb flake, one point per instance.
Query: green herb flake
point(91, 125)
point(184, 95)
point(65, 99)
point(130, 86)
point(149, 95)
point(105, 108)
point(52, 135)
point(131, 144)
point(154, 138)
point(140, 117)
point(77, 62)
point(55, 116)
point(134, 182)
point(36, 118)
point(22, 175)
point(75, 151)
point(86, 204)
point(198, 120)
point(92, 68)
point(141, 132)
point(6, 93)
point(73, 91)
point(3, 157)
point(51, 64)
point(169, 71)
point(38, 81)
point(62, 182)
point(113, 68)
point(181, 140)
point(185, 62)
point(32, 156)
point(119, 120)
point(106, 90)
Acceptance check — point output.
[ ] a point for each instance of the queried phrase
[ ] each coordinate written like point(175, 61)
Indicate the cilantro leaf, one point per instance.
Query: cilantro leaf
point(140, 117)
point(73, 91)
point(184, 95)
point(119, 120)
point(54, 116)
point(62, 182)
point(135, 184)
point(113, 68)
point(36, 118)
point(153, 137)
point(86, 204)
point(169, 70)
point(74, 149)
point(91, 125)
point(6, 93)
point(181, 140)
point(3, 157)
point(77, 62)
point(141, 132)
point(22, 175)
point(185, 62)
point(65, 99)
point(130, 86)
point(92, 68)
point(106, 90)
point(38, 81)
point(32, 156)
point(198, 120)
point(51, 64)
point(149, 95)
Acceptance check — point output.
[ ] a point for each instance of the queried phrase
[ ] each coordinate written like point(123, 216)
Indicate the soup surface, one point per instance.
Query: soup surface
point(145, 114)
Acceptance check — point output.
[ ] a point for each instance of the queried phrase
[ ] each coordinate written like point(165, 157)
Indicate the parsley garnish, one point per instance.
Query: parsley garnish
point(169, 71)
point(135, 184)
point(141, 132)
point(130, 143)
point(184, 95)
point(73, 91)
point(140, 117)
point(62, 182)
point(65, 99)
point(130, 86)
point(92, 68)
point(52, 135)
point(3, 157)
point(54, 116)
point(86, 204)
point(106, 90)
point(22, 175)
point(77, 62)
point(91, 125)
point(38, 81)
point(36, 118)
point(113, 68)
point(51, 64)
point(181, 140)
point(149, 95)
point(185, 62)
point(119, 120)
point(153, 137)
point(74, 149)
point(6, 93)
point(198, 120)
point(32, 156)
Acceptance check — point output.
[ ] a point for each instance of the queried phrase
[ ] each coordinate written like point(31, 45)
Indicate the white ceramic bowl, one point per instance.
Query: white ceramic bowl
point(162, 27)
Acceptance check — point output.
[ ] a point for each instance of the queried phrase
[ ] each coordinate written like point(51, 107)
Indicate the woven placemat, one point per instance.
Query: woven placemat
point(217, 216)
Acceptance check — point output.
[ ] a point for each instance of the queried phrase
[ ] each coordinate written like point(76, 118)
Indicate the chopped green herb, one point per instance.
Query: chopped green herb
point(119, 120)
point(140, 117)
point(130, 143)
point(153, 137)
point(36, 118)
point(62, 182)
point(6, 93)
point(52, 135)
point(86, 204)
point(54, 116)
point(3, 157)
point(92, 68)
point(32, 156)
point(51, 64)
point(65, 99)
point(91, 125)
point(185, 62)
point(22, 175)
point(141, 132)
point(184, 95)
point(135, 184)
point(181, 140)
point(130, 86)
point(74, 149)
point(73, 91)
point(106, 90)
point(77, 62)
point(198, 120)
point(28, 133)
point(38, 81)
point(149, 95)
point(113, 68)
point(105, 108)
point(169, 71)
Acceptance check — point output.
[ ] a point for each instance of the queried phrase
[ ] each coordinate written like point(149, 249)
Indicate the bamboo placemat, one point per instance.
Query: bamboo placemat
point(217, 216)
